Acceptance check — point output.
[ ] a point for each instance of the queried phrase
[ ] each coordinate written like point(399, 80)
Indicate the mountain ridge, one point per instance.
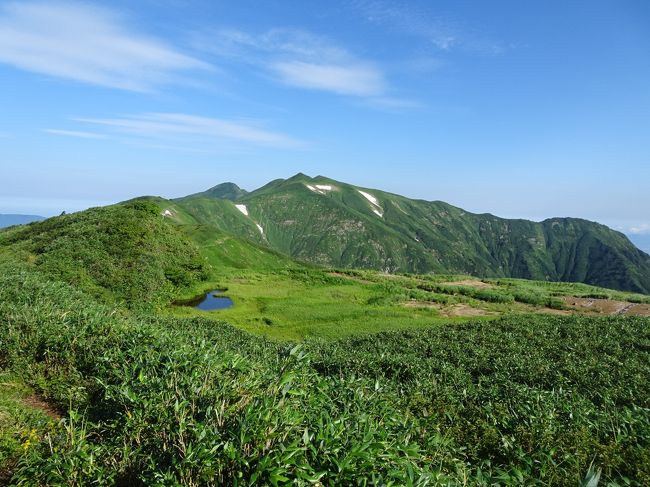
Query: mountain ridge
point(328, 222)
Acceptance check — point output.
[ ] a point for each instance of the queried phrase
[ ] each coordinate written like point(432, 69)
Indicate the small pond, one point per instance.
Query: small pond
point(208, 302)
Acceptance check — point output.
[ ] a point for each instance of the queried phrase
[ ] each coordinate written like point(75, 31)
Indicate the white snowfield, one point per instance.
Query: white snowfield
point(377, 210)
point(243, 209)
point(260, 228)
point(320, 188)
point(167, 213)
point(369, 197)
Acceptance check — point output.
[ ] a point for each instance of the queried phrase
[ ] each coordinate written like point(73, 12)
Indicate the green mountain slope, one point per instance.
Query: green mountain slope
point(332, 223)
point(226, 191)
point(125, 253)
point(141, 252)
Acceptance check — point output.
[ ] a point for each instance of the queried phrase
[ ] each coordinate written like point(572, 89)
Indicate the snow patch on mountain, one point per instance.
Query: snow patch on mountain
point(369, 197)
point(377, 209)
point(320, 188)
point(259, 227)
point(242, 208)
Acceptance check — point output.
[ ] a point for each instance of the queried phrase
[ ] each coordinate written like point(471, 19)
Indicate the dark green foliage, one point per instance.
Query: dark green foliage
point(543, 396)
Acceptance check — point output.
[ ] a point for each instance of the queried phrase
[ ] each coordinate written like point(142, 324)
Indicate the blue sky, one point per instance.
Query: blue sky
point(521, 109)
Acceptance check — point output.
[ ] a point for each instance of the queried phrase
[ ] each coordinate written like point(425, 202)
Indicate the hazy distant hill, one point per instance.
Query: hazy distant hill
point(337, 224)
point(641, 241)
point(8, 220)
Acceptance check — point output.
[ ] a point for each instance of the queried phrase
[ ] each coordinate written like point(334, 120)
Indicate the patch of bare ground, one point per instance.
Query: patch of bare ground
point(453, 311)
point(36, 402)
point(469, 283)
point(422, 304)
point(552, 311)
point(638, 310)
point(607, 306)
point(465, 310)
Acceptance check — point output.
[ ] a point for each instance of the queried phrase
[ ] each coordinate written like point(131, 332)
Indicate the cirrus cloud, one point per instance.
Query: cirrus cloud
point(162, 126)
point(302, 59)
point(88, 44)
point(356, 80)
point(74, 133)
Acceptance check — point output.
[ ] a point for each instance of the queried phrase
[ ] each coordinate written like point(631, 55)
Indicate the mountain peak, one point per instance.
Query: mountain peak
point(223, 191)
point(226, 191)
point(300, 177)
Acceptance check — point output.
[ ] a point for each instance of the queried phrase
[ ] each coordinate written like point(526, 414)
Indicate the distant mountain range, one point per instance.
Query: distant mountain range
point(8, 220)
point(332, 223)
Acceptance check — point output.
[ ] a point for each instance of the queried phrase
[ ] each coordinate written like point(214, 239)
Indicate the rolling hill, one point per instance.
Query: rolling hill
point(331, 223)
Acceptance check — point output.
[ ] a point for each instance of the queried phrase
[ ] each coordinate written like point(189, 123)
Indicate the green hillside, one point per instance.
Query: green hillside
point(124, 253)
point(396, 379)
point(331, 223)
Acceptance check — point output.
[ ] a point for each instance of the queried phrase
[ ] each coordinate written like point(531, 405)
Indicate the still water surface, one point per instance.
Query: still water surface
point(210, 301)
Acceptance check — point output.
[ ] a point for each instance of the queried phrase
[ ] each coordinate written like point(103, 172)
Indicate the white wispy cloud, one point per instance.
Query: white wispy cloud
point(641, 229)
point(294, 44)
point(88, 44)
point(301, 59)
point(200, 129)
point(422, 21)
point(352, 79)
point(75, 133)
point(393, 104)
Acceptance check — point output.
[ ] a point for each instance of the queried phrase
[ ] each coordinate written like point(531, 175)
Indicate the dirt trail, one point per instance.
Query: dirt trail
point(607, 306)
point(36, 402)
point(553, 311)
point(469, 283)
point(455, 310)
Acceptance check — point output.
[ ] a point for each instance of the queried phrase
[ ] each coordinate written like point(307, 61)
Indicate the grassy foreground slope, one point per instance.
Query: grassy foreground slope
point(136, 396)
point(336, 224)
point(167, 401)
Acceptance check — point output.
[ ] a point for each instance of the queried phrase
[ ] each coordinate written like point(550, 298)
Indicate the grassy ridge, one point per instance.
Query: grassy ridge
point(125, 253)
point(164, 400)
